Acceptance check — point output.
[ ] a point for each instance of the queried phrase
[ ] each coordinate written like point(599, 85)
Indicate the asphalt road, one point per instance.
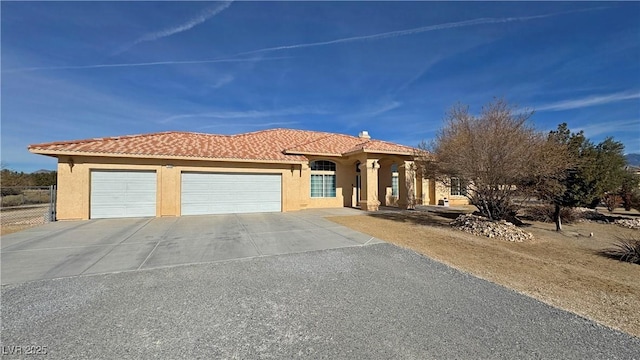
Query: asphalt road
point(369, 302)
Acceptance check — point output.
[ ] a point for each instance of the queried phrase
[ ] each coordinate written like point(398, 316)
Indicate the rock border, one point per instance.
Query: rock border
point(481, 226)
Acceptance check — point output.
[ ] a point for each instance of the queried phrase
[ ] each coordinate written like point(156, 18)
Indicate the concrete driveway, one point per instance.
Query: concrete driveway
point(64, 249)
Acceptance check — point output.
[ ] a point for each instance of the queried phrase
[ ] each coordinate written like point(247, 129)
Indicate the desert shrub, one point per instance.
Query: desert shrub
point(612, 201)
point(544, 213)
point(12, 200)
point(36, 196)
point(10, 191)
point(632, 201)
point(624, 250)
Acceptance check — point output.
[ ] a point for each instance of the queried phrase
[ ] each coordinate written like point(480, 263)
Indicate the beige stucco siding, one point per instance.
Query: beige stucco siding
point(442, 191)
point(74, 179)
point(74, 182)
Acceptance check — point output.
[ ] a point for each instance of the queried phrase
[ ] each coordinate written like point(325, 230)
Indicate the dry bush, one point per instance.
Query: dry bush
point(494, 153)
point(10, 191)
point(612, 201)
point(545, 213)
point(624, 250)
point(25, 197)
point(36, 196)
point(12, 200)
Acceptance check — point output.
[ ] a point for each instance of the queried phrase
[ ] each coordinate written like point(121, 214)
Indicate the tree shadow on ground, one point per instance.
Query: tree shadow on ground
point(417, 217)
point(431, 218)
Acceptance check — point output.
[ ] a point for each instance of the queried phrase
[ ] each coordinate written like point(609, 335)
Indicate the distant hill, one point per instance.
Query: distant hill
point(633, 159)
point(43, 171)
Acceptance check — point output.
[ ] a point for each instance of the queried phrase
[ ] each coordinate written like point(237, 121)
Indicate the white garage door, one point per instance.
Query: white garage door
point(217, 193)
point(116, 194)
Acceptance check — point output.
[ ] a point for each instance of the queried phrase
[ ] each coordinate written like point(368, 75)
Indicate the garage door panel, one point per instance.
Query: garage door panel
point(223, 193)
point(140, 187)
point(106, 199)
point(142, 196)
point(116, 194)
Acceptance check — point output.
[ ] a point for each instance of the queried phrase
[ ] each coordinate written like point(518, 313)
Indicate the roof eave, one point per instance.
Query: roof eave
point(55, 153)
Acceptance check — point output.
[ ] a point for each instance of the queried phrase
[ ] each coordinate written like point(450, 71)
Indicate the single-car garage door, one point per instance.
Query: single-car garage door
point(117, 194)
point(222, 193)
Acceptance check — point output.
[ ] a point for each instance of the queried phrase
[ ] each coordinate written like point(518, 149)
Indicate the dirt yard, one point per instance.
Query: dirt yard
point(10, 229)
point(560, 269)
point(20, 218)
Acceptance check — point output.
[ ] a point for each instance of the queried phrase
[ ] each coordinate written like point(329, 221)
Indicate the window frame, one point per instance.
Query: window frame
point(324, 170)
point(461, 189)
point(395, 184)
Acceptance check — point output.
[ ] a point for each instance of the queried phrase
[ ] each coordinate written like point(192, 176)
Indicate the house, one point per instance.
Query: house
point(633, 169)
point(185, 173)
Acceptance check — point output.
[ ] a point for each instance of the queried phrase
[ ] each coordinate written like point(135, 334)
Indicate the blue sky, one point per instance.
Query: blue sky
point(74, 70)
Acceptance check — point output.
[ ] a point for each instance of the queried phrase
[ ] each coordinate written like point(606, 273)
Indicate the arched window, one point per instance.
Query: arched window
point(323, 179)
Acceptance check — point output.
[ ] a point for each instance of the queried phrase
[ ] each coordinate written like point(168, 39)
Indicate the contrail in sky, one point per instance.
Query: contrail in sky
point(233, 58)
point(397, 33)
point(98, 66)
point(199, 19)
point(589, 101)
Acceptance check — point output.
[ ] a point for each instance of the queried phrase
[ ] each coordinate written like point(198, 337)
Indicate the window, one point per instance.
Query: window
point(323, 179)
point(458, 188)
point(394, 180)
point(394, 185)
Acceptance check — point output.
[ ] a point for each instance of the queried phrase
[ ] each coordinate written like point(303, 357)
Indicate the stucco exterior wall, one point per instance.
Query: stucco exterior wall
point(74, 182)
point(442, 191)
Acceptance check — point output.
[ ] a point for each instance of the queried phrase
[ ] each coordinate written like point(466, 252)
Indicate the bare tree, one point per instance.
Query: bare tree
point(494, 154)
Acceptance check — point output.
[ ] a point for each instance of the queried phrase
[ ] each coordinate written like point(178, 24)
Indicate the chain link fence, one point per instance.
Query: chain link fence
point(27, 205)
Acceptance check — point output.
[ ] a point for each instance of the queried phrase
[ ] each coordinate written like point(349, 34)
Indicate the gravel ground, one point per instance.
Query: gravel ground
point(373, 302)
point(562, 269)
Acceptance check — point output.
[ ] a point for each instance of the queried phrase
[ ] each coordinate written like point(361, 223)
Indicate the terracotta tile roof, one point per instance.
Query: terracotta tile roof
point(329, 144)
point(280, 145)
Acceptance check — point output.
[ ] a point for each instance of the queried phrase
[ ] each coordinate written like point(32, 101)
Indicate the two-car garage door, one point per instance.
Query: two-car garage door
point(116, 194)
point(223, 193)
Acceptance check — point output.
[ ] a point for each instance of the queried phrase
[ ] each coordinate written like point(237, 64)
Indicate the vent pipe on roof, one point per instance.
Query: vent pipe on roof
point(364, 134)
